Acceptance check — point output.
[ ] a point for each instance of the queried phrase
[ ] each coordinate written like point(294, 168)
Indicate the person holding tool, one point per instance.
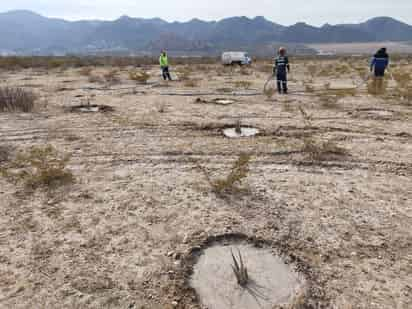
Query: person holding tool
point(281, 69)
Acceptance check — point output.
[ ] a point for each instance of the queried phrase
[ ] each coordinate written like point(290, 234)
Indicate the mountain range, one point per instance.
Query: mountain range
point(25, 32)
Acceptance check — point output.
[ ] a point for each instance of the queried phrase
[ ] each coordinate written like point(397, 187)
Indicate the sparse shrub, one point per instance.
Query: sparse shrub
point(325, 72)
point(4, 153)
point(39, 167)
point(307, 118)
point(86, 71)
point(245, 71)
point(112, 77)
point(224, 70)
point(405, 93)
point(403, 89)
point(342, 69)
point(318, 150)
point(329, 101)
point(342, 92)
point(243, 84)
point(190, 83)
point(139, 76)
point(238, 173)
point(184, 73)
point(16, 99)
point(95, 79)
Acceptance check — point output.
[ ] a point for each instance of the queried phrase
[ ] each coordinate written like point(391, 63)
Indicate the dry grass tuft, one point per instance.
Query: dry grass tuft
point(16, 99)
point(184, 73)
point(238, 173)
point(319, 150)
point(403, 89)
point(39, 167)
point(112, 77)
point(86, 71)
point(244, 84)
point(139, 76)
point(96, 79)
point(307, 118)
point(245, 71)
point(191, 83)
point(5, 152)
point(329, 102)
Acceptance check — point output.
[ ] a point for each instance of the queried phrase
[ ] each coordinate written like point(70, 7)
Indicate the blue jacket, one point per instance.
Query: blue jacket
point(380, 62)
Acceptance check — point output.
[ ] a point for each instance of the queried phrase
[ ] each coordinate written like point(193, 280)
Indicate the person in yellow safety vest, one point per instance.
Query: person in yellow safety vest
point(164, 65)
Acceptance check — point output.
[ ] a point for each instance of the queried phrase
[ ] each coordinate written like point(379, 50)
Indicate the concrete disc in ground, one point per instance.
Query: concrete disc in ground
point(272, 282)
point(244, 132)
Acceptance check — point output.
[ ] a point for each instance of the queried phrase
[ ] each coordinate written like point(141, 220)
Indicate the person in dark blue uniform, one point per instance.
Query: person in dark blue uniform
point(380, 62)
point(281, 69)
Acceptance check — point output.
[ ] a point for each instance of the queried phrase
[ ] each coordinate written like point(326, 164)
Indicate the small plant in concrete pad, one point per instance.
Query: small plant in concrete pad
point(238, 127)
point(240, 270)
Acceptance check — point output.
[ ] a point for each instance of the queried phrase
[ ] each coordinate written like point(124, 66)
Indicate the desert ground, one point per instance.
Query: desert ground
point(326, 184)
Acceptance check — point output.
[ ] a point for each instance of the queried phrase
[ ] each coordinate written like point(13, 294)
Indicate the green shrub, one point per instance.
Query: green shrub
point(39, 167)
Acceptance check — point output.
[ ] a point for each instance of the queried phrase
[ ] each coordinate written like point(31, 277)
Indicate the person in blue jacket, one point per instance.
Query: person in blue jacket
point(380, 62)
point(281, 68)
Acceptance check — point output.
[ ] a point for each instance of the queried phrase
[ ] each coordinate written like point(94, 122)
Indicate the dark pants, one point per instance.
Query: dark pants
point(379, 72)
point(165, 73)
point(282, 82)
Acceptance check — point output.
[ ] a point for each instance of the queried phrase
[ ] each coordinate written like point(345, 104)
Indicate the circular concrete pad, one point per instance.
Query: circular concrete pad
point(244, 132)
point(272, 282)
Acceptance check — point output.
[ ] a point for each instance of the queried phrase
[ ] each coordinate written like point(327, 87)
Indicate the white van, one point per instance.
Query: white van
point(240, 58)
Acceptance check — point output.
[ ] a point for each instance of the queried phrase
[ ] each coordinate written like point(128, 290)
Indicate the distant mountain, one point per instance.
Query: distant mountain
point(384, 29)
point(25, 32)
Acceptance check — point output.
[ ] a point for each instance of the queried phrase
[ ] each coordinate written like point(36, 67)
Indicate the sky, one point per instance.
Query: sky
point(286, 12)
